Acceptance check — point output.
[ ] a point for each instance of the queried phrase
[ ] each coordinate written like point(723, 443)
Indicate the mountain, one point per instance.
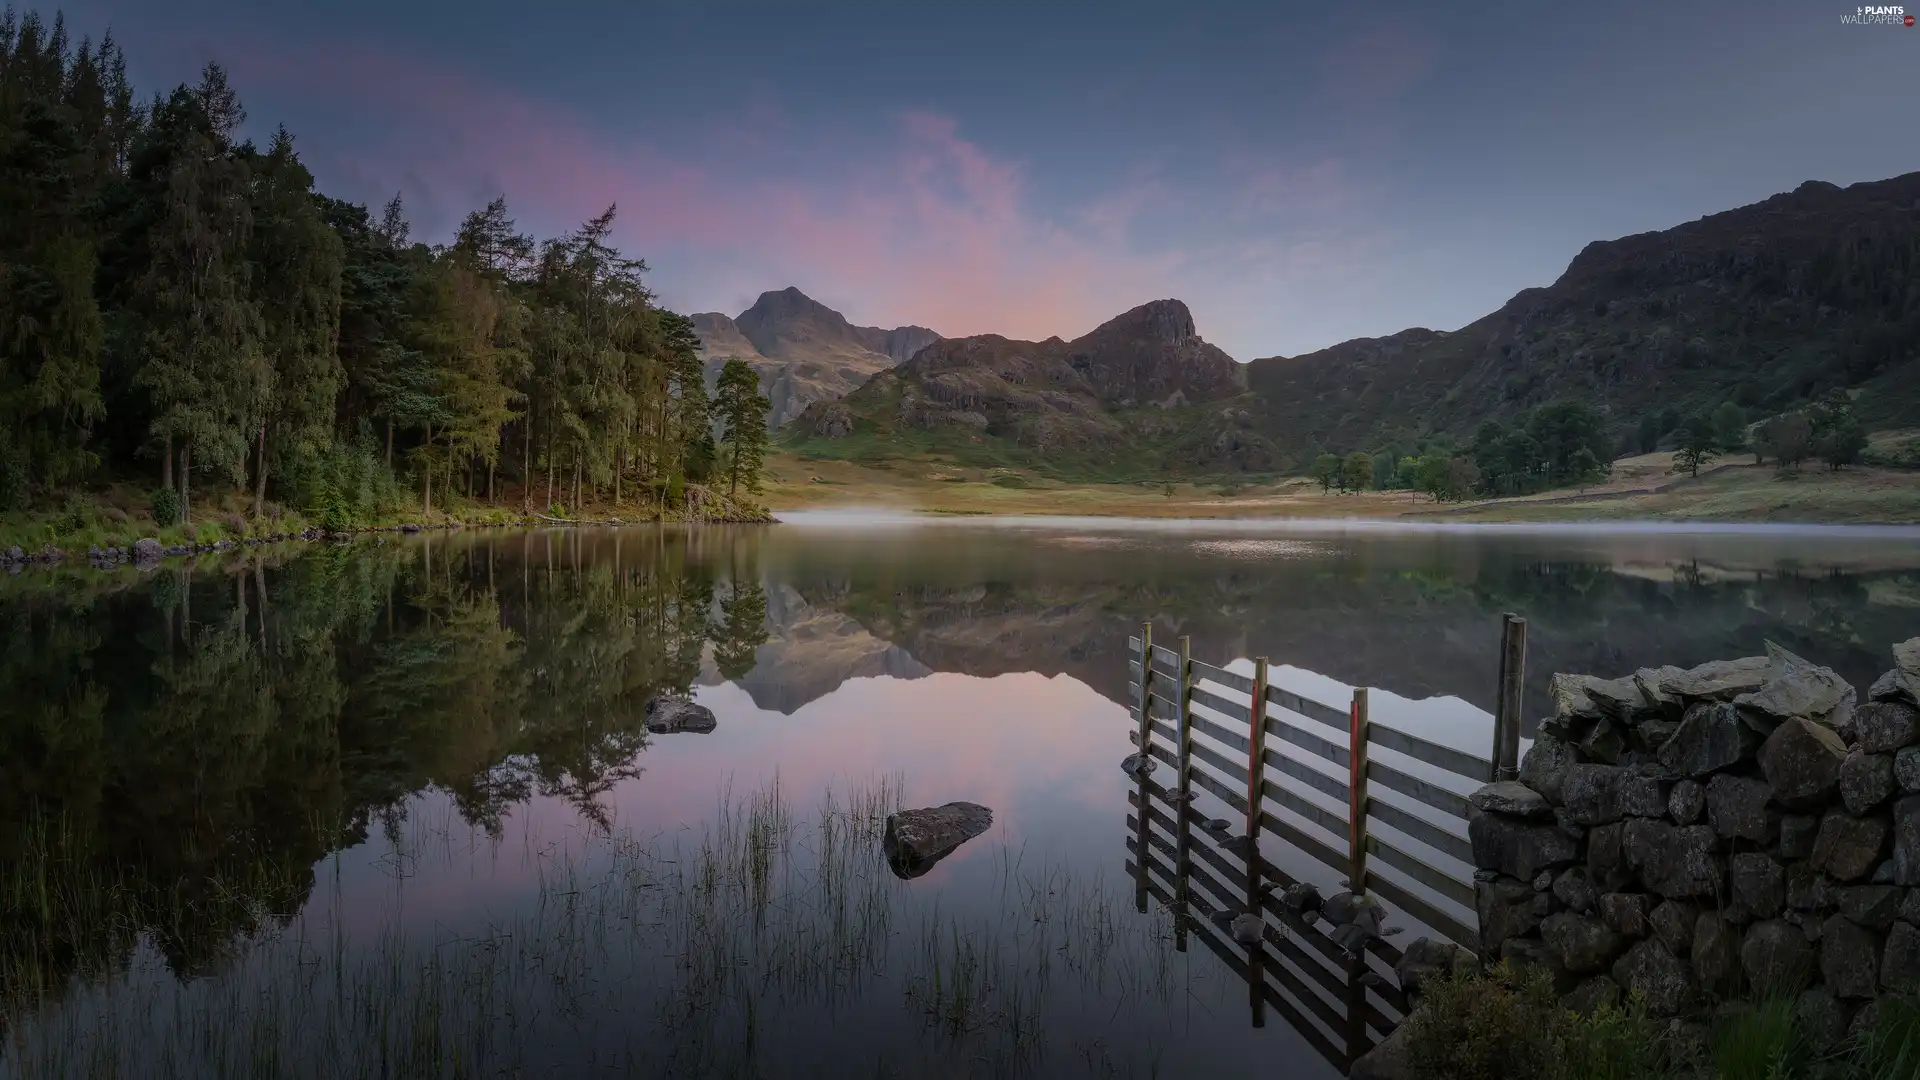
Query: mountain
point(803, 350)
point(1087, 400)
point(1768, 305)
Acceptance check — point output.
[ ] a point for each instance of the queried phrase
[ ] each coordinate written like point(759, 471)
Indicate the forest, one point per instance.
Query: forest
point(182, 307)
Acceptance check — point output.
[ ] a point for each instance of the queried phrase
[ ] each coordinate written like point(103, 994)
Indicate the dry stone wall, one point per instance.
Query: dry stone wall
point(1743, 828)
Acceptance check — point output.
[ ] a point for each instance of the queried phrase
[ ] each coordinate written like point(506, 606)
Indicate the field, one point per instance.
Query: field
point(1639, 488)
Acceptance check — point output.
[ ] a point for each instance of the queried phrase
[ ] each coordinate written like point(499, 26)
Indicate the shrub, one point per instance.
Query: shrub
point(1890, 1046)
point(164, 504)
point(1761, 1043)
point(1484, 1026)
point(1011, 480)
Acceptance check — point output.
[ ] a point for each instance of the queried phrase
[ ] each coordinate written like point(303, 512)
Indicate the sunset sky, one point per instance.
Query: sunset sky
point(1297, 174)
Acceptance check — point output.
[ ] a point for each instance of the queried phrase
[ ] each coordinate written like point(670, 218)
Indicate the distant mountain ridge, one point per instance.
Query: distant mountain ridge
point(804, 351)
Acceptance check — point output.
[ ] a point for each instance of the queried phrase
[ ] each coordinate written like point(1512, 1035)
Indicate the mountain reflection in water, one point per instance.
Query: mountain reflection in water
point(411, 737)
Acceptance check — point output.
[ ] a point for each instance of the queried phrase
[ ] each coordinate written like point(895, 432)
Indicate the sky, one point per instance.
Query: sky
point(1298, 174)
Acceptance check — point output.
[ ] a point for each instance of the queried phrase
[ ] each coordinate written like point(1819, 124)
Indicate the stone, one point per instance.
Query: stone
point(1607, 864)
point(1592, 794)
point(1672, 922)
point(1719, 680)
point(1603, 743)
point(1776, 958)
point(1137, 764)
point(1649, 970)
point(1390, 1060)
point(1758, 885)
point(1347, 909)
point(1900, 960)
point(1801, 761)
point(1863, 1020)
point(1906, 665)
point(1866, 780)
point(1849, 960)
point(1505, 910)
point(1426, 961)
point(1544, 769)
point(1797, 832)
point(1247, 928)
point(1906, 769)
point(1650, 735)
point(1574, 888)
point(1910, 907)
point(1301, 898)
point(1531, 952)
point(1820, 1018)
point(1906, 841)
point(1795, 689)
point(1710, 737)
point(1675, 861)
point(1593, 993)
point(1881, 727)
point(1626, 913)
point(1517, 848)
point(1620, 699)
point(1847, 847)
point(670, 713)
point(1716, 952)
point(917, 839)
point(146, 550)
point(1737, 807)
point(1641, 791)
point(1581, 944)
point(1565, 823)
point(1654, 683)
point(1570, 697)
point(1872, 906)
point(1890, 686)
point(1687, 801)
point(1543, 882)
point(1807, 888)
point(1512, 798)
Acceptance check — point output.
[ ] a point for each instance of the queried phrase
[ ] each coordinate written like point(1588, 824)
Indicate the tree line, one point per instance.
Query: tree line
point(183, 302)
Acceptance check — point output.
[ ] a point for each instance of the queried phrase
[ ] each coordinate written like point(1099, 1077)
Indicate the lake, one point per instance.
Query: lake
point(309, 811)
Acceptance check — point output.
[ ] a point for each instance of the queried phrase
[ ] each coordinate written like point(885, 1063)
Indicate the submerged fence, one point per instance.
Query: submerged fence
point(1305, 773)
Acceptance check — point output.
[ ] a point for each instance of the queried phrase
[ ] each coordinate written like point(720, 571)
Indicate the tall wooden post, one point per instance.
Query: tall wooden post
point(1141, 804)
point(1256, 794)
point(1146, 686)
point(1513, 680)
point(1357, 793)
point(1182, 812)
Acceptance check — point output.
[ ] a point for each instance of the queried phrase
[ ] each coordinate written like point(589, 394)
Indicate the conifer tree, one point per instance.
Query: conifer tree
point(743, 409)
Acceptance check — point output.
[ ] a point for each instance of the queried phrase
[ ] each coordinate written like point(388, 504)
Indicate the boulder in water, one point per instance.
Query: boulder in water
point(669, 713)
point(917, 839)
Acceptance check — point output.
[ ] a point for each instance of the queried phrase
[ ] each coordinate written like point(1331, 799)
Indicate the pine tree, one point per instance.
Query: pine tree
point(742, 408)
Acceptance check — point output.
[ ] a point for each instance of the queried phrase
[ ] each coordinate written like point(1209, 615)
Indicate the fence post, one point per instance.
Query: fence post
point(1142, 802)
point(1146, 684)
point(1256, 750)
point(1357, 793)
point(1513, 679)
point(1182, 810)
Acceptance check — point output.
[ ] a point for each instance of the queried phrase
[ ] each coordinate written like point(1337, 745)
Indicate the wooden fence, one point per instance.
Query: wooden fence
point(1262, 771)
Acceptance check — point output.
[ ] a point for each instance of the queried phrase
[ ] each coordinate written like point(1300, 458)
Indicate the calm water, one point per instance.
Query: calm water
point(298, 808)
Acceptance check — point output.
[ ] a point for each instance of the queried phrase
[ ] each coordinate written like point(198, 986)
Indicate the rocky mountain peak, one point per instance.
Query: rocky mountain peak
point(1165, 321)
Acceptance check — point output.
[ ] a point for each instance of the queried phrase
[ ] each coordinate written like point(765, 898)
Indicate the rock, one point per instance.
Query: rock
point(1570, 697)
point(1579, 943)
point(1884, 873)
point(1650, 735)
point(1641, 791)
point(1506, 911)
point(1872, 906)
point(1653, 683)
point(15, 555)
point(1687, 801)
point(1905, 673)
point(1776, 958)
point(1906, 841)
point(1620, 699)
point(1672, 922)
point(1544, 769)
point(1649, 970)
point(1801, 761)
point(1607, 863)
point(1820, 1019)
point(1711, 736)
point(1900, 960)
point(1807, 888)
point(1718, 680)
point(146, 549)
point(917, 839)
point(1863, 1020)
point(1890, 686)
point(670, 713)
point(1351, 938)
point(1716, 952)
point(1301, 898)
point(1849, 960)
point(1595, 992)
point(1565, 823)
point(1906, 769)
point(1512, 798)
point(1390, 1060)
point(1530, 952)
point(1675, 861)
point(1603, 743)
point(1626, 913)
point(1247, 928)
point(1543, 882)
point(1737, 807)
point(1866, 780)
point(1347, 909)
point(1574, 888)
point(1795, 688)
point(1881, 727)
point(1592, 794)
point(1847, 847)
point(1137, 764)
point(1758, 885)
point(1425, 961)
point(1517, 848)
point(1216, 825)
point(1910, 907)
point(1797, 832)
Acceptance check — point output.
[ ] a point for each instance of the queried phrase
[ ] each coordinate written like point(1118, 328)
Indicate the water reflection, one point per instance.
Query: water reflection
point(196, 757)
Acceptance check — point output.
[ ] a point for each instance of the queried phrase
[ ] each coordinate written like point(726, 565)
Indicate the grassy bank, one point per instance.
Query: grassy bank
point(1639, 488)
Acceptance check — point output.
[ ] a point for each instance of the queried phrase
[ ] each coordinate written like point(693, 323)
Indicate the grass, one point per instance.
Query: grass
point(717, 952)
